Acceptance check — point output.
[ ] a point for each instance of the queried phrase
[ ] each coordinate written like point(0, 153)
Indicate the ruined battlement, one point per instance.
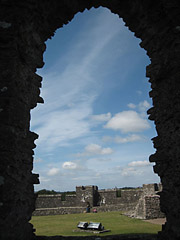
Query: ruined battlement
point(133, 202)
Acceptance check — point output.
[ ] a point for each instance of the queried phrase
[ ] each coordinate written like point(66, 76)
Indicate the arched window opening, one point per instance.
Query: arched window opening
point(93, 128)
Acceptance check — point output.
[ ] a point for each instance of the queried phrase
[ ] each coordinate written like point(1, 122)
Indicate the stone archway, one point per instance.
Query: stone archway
point(24, 27)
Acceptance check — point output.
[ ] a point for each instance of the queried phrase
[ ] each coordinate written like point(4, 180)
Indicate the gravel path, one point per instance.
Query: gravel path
point(159, 221)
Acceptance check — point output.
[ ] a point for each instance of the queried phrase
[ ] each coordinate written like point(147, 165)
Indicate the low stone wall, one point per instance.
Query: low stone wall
point(143, 203)
point(58, 211)
point(48, 201)
point(119, 207)
point(72, 210)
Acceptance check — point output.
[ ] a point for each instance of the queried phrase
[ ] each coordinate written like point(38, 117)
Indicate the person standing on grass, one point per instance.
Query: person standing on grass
point(88, 207)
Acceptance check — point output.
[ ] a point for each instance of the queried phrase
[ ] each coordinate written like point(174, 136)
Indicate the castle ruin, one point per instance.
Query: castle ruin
point(140, 203)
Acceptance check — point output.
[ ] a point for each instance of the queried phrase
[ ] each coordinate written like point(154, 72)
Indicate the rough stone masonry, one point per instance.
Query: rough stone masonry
point(24, 28)
point(142, 203)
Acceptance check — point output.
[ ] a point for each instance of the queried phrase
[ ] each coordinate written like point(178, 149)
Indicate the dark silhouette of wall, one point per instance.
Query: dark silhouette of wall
point(24, 28)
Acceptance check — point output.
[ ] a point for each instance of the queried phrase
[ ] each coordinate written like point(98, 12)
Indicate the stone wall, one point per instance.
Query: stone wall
point(85, 194)
point(24, 28)
point(48, 201)
point(92, 195)
point(109, 197)
point(148, 205)
point(152, 207)
point(96, 197)
point(133, 202)
point(58, 211)
point(70, 201)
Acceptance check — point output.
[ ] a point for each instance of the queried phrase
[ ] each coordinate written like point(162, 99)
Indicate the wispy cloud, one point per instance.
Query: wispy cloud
point(127, 139)
point(139, 164)
point(63, 126)
point(131, 105)
point(101, 117)
point(129, 172)
point(38, 160)
point(136, 168)
point(142, 106)
point(71, 121)
point(53, 171)
point(70, 93)
point(44, 179)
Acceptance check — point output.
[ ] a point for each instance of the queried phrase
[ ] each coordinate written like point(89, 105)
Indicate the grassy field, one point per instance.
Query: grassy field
point(115, 221)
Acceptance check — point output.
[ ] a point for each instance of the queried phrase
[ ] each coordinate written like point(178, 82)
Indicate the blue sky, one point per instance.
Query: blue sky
point(93, 128)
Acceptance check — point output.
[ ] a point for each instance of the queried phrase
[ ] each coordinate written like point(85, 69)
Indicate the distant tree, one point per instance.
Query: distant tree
point(46, 192)
point(52, 192)
point(64, 194)
point(126, 188)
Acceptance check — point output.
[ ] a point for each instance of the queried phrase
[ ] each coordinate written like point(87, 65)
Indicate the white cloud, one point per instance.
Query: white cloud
point(95, 149)
point(105, 151)
point(131, 105)
point(101, 117)
point(53, 171)
point(143, 106)
point(44, 179)
point(70, 89)
point(69, 165)
point(127, 121)
point(131, 138)
point(139, 164)
point(63, 126)
point(77, 165)
point(127, 172)
point(136, 168)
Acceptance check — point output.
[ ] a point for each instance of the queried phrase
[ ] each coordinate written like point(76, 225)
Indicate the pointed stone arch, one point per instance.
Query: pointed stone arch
point(24, 27)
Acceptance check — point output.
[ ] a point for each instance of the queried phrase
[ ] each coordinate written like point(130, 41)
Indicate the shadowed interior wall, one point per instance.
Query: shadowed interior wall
point(24, 27)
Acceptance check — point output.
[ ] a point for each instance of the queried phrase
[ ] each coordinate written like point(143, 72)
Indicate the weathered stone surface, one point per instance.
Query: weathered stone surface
point(24, 27)
point(143, 203)
point(152, 207)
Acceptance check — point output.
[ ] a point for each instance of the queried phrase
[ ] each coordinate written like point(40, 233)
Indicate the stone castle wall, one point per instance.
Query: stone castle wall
point(134, 202)
point(152, 207)
point(48, 201)
point(25, 26)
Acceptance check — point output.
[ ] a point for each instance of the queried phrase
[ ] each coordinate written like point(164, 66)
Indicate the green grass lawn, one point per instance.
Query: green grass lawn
point(115, 221)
